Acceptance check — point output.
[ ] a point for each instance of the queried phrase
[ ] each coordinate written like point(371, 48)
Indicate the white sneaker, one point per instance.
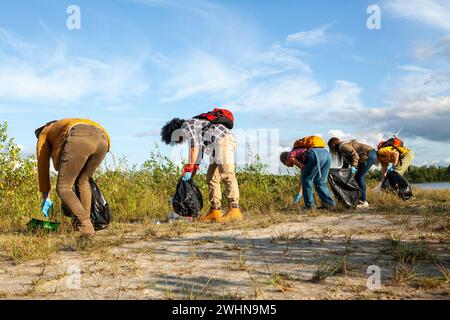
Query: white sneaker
point(362, 205)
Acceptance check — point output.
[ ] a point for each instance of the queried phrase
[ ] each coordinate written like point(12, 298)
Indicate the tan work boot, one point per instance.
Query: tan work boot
point(233, 214)
point(214, 215)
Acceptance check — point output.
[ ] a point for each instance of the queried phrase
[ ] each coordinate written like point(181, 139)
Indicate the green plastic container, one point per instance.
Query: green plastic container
point(36, 224)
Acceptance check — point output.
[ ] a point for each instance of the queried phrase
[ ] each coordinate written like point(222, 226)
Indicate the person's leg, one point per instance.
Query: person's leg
point(225, 160)
point(363, 170)
point(213, 181)
point(215, 194)
point(406, 162)
point(226, 149)
point(309, 172)
point(228, 175)
point(91, 165)
point(320, 180)
point(74, 156)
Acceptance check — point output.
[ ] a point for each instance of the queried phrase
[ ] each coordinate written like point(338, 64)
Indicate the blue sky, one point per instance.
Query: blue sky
point(303, 67)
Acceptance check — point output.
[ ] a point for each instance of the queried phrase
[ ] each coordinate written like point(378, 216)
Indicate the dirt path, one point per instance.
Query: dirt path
point(277, 262)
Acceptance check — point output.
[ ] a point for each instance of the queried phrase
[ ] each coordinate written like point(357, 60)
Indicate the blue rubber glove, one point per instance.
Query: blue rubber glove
point(297, 198)
point(187, 176)
point(354, 170)
point(391, 169)
point(47, 206)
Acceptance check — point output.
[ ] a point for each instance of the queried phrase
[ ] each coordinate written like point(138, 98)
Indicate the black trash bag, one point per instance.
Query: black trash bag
point(344, 187)
point(187, 200)
point(394, 182)
point(100, 213)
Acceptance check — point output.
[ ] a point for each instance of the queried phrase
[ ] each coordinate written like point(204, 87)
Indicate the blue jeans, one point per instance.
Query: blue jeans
point(316, 170)
point(363, 170)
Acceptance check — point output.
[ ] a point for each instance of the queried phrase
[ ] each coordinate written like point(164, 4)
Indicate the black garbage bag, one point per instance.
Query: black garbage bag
point(187, 200)
point(344, 187)
point(100, 213)
point(394, 182)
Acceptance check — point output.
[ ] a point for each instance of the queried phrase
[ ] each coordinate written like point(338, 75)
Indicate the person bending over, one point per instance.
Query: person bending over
point(360, 157)
point(77, 147)
point(208, 135)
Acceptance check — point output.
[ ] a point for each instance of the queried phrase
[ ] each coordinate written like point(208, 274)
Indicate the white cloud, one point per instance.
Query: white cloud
point(340, 134)
point(371, 138)
point(309, 38)
point(435, 13)
point(56, 76)
point(284, 93)
point(428, 118)
point(200, 73)
point(298, 94)
point(276, 78)
point(423, 52)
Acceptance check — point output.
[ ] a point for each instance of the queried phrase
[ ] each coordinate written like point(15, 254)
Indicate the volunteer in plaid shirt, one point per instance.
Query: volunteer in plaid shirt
point(219, 143)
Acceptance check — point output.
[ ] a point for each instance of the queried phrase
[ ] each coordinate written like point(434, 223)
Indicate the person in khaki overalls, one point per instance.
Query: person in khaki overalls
point(77, 147)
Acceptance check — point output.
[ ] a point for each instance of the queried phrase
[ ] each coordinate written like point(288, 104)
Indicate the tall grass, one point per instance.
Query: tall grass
point(144, 193)
point(134, 193)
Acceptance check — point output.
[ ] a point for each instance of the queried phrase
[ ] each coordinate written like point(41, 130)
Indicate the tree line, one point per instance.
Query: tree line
point(416, 174)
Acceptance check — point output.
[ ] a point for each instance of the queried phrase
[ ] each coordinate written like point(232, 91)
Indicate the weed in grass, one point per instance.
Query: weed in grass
point(327, 269)
point(403, 273)
point(239, 262)
point(410, 253)
point(281, 281)
point(287, 236)
point(195, 292)
point(444, 271)
point(431, 282)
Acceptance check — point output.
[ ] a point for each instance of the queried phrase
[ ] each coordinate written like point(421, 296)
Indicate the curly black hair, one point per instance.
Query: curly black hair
point(168, 130)
point(284, 157)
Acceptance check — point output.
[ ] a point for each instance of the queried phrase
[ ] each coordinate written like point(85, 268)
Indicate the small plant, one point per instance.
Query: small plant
point(403, 273)
point(193, 292)
point(327, 269)
point(410, 253)
point(281, 281)
point(240, 261)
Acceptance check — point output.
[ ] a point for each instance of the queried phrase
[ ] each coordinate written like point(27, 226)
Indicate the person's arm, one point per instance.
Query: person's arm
point(297, 163)
point(193, 156)
point(384, 167)
point(300, 187)
point(43, 159)
point(351, 153)
point(396, 158)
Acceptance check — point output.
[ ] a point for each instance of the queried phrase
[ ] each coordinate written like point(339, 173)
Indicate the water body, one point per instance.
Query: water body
point(433, 186)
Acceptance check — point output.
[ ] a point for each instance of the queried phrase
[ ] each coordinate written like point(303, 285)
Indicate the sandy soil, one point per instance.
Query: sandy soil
point(277, 262)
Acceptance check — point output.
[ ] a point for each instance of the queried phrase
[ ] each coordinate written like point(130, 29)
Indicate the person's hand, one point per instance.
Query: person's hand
point(354, 170)
point(297, 198)
point(391, 169)
point(46, 206)
point(189, 171)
